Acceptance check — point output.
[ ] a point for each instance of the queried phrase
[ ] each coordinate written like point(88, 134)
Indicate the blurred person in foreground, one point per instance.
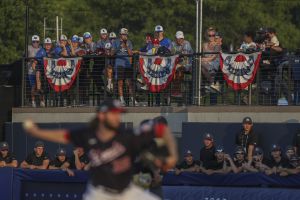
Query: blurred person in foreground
point(61, 162)
point(188, 165)
point(247, 137)
point(32, 68)
point(112, 150)
point(38, 159)
point(122, 47)
point(7, 158)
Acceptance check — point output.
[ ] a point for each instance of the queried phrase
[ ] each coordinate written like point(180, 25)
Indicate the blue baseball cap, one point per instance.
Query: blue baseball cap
point(75, 38)
point(87, 35)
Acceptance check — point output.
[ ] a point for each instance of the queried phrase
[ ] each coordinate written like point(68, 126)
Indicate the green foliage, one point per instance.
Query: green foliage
point(231, 17)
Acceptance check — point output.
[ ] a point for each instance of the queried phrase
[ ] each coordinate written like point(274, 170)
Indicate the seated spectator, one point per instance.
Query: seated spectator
point(276, 160)
point(219, 165)
point(290, 152)
point(258, 163)
point(76, 50)
point(63, 49)
point(38, 159)
point(79, 160)
point(248, 43)
point(31, 65)
point(207, 153)
point(188, 165)
point(247, 138)
point(61, 162)
point(293, 169)
point(7, 159)
point(238, 160)
point(46, 51)
point(89, 45)
point(159, 34)
point(103, 40)
point(112, 37)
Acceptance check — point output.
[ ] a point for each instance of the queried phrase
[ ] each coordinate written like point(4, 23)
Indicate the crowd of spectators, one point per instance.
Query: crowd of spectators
point(118, 71)
point(40, 159)
point(248, 156)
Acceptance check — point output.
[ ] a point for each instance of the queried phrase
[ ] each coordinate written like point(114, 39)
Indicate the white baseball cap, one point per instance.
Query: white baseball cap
point(159, 28)
point(112, 35)
point(63, 37)
point(35, 38)
point(124, 31)
point(179, 35)
point(103, 31)
point(107, 46)
point(47, 41)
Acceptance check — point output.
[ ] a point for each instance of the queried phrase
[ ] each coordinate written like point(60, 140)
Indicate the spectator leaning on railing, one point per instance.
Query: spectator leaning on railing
point(104, 39)
point(79, 160)
point(188, 165)
point(159, 34)
point(63, 49)
point(7, 158)
point(248, 44)
point(61, 162)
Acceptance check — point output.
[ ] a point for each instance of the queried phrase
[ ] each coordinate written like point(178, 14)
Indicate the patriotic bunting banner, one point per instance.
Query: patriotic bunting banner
point(239, 70)
point(158, 71)
point(61, 73)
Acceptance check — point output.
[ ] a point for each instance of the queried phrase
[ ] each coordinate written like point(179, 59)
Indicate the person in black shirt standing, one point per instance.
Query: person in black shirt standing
point(247, 138)
point(79, 160)
point(276, 161)
point(207, 153)
point(112, 150)
point(188, 165)
point(38, 159)
point(7, 159)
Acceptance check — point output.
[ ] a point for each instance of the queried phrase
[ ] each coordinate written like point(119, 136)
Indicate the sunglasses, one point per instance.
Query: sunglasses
point(35, 42)
point(211, 35)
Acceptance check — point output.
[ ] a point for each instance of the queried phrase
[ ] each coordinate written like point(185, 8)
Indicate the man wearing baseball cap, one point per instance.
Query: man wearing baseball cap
point(258, 163)
point(38, 159)
point(277, 160)
point(188, 165)
point(247, 138)
point(112, 37)
point(7, 159)
point(61, 162)
point(112, 150)
point(103, 40)
point(63, 49)
point(159, 34)
point(123, 66)
point(207, 152)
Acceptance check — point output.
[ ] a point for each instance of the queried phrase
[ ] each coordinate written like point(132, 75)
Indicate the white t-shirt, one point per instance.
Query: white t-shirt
point(248, 46)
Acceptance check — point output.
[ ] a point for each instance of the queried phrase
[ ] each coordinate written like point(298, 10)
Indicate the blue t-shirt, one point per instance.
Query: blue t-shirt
point(119, 51)
point(101, 44)
point(58, 50)
point(41, 54)
point(166, 42)
point(147, 47)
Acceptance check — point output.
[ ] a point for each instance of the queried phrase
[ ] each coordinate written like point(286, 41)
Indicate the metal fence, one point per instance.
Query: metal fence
point(277, 83)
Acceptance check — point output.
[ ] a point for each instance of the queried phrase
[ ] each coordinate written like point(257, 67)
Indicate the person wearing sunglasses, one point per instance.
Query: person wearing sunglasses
point(7, 159)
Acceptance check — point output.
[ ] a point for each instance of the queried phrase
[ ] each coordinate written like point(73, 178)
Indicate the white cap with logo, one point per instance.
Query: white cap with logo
point(35, 38)
point(179, 35)
point(63, 38)
point(103, 31)
point(124, 31)
point(112, 35)
point(47, 41)
point(159, 28)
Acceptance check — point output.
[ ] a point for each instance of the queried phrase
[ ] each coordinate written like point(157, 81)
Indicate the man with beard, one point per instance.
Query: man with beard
point(112, 150)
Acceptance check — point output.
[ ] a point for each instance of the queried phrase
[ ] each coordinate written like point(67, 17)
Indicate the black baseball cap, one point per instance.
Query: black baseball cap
point(239, 150)
point(219, 149)
point(61, 152)
point(39, 144)
point(247, 120)
point(258, 151)
point(188, 153)
point(208, 136)
point(3, 146)
point(111, 105)
point(275, 147)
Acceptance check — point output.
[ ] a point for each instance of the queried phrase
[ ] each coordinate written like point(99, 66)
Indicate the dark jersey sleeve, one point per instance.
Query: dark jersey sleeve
point(46, 156)
point(79, 137)
point(12, 157)
point(253, 140)
point(29, 159)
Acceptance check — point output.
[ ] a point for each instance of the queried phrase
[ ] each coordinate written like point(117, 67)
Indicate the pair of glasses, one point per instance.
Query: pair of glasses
point(211, 35)
point(35, 42)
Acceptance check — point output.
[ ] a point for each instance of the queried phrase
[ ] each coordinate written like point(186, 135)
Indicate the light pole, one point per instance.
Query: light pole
point(26, 27)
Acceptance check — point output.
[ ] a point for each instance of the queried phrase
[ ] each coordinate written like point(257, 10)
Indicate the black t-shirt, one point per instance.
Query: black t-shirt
point(83, 159)
point(8, 159)
point(207, 155)
point(215, 165)
point(296, 142)
point(111, 162)
point(244, 140)
point(32, 159)
point(238, 163)
point(57, 163)
point(284, 163)
point(185, 165)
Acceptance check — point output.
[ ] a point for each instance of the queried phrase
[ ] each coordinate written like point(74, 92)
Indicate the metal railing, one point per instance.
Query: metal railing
point(277, 82)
